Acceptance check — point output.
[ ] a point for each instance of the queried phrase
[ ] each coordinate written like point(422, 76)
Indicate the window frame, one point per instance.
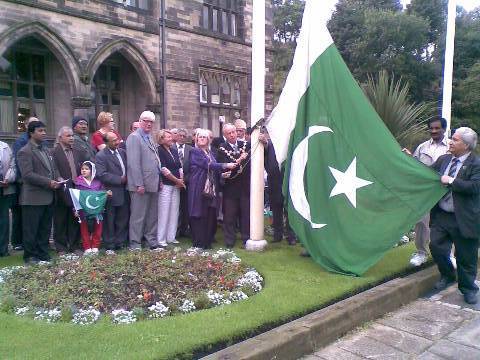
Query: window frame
point(232, 13)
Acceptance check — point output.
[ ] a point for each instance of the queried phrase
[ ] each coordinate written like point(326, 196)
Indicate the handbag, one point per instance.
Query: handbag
point(209, 190)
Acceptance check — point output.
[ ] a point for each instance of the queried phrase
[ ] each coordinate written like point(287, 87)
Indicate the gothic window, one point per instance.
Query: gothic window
point(221, 16)
point(22, 90)
point(139, 4)
point(219, 96)
point(106, 88)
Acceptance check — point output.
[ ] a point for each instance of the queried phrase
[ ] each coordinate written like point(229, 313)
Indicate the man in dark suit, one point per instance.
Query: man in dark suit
point(275, 196)
point(455, 219)
point(111, 165)
point(68, 160)
point(39, 177)
point(236, 188)
point(183, 150)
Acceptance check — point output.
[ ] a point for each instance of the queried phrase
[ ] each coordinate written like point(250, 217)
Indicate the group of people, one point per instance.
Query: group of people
point(158, 186)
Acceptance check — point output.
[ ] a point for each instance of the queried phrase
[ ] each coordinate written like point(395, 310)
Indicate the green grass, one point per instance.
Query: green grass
point(294, 286)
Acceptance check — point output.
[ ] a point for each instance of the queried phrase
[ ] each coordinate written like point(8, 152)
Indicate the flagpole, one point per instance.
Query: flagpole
point(448, 69)
point(257, 241)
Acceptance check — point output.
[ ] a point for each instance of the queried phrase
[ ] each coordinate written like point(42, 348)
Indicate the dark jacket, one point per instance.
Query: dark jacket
point(109, 172)
point(274, 175)
point(171, 162)
point(36, 175)
point(466, 194)
point(239, 182)
point(61, 163)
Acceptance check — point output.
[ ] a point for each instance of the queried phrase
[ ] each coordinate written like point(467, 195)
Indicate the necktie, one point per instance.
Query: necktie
point(181, 155)
point(453, 167)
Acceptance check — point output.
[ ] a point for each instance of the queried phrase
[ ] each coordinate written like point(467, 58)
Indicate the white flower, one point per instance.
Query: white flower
point(86, 317)
point(158, 310)
point(193, 251)
point(187, 306)
point(68, 257)
point(48, 315)
point(7, 271)
point(215, 298)
point(22, 311)
point(121, 316)
point(253, 279)
point(237, 295)
point(226, 255)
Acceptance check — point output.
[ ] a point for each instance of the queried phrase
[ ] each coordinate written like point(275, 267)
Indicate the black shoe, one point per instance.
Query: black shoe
point(305, 253)
point(18, 248)
point(292, 242)
point(443, 283)
point(32, 261)
point(470, 298)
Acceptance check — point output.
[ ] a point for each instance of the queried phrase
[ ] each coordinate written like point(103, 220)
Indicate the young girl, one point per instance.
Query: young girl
point(90, 227)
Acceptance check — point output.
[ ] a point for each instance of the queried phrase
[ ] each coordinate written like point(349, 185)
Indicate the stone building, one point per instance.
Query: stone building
point(64, 57)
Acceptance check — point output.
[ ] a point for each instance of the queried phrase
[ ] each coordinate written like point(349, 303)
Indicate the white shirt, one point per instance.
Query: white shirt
point(429, 151)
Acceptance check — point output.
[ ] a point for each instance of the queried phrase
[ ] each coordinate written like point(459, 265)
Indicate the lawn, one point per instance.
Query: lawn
point(294, 286)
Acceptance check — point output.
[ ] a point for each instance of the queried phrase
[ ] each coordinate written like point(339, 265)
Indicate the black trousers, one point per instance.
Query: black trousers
point(443, 233)
point(5, 203)
point(183, 218)
point(37, 224)
point(115, 226)
point(17, 232)
point(234, 209)
point(204, 228)
point(66, 230)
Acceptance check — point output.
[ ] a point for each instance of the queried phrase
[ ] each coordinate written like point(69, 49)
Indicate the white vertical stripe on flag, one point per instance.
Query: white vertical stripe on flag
point(75, 195)
point(314, 39)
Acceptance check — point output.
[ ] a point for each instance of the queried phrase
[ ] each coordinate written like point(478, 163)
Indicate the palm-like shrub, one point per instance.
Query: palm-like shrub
point(405, 120)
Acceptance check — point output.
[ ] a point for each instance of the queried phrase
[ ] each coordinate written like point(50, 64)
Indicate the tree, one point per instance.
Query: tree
point(287, 19)
point(390, 98)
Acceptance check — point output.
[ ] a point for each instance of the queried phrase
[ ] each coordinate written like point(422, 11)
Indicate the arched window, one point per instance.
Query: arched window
point(226, 95)
point(236, 94)
point(203, 89)
point(215, 88)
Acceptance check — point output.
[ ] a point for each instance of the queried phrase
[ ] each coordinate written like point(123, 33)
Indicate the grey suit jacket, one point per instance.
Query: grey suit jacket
point(109, 172)
point(36, 176)
point(143, 163)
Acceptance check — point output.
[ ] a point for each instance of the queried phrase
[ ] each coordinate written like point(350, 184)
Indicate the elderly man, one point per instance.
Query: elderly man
point(111, 165)
point(143, 173)
point(455, 219)
point(236, 190)
point(428, 152)
point(7, 193)
point(134, 126)
point(39, 176)
point(80, 137)
point(241, 127)
point(68, 160)
point(183, 150)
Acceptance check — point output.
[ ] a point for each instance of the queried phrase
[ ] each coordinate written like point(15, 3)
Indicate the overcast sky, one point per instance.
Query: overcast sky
point(467, 4)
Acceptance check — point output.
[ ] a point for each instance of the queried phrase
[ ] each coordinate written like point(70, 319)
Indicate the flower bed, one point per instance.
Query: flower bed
point(127, 287)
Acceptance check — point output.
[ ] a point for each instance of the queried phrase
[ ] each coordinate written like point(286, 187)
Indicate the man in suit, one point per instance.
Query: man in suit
point(455, 219)
point(39, 177)
point(68, 160)
point(111, 164)
point(143, 173)
point(17, 232)
point(236, 188)
point(183, 150)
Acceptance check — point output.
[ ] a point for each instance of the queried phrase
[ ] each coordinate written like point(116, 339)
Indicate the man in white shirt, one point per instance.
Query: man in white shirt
point(428, 152)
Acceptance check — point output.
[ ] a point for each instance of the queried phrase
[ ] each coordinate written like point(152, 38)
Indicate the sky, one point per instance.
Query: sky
point(467, 4)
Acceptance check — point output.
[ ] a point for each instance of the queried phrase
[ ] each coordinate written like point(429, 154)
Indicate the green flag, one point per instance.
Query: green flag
point(91, 202)
point(351, 192)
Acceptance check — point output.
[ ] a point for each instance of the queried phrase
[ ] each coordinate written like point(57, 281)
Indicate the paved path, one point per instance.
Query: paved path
point(439, 326)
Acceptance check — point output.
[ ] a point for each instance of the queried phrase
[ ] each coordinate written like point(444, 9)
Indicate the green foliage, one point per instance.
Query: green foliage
point(202, 302)
point(8, 304)
point(67, 314)
point(390, 99)
point(287, 19)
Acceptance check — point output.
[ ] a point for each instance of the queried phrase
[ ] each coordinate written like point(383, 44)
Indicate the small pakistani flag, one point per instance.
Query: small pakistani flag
point(91, 202)
point(351, 192)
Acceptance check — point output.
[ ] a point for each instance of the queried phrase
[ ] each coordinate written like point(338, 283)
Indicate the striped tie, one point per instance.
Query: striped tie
point(453, 167)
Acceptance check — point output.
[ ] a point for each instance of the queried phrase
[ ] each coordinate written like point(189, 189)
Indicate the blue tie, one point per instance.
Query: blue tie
point(453, 167)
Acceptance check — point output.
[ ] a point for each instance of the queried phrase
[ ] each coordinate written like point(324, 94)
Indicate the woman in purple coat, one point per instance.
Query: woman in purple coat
point(203, 209)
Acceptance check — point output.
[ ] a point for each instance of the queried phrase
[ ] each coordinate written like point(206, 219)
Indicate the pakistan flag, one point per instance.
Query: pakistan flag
point(91, 202)
point(351, 192)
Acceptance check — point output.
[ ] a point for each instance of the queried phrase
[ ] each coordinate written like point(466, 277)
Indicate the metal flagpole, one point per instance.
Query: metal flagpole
point(257, 241)
point(448, 69)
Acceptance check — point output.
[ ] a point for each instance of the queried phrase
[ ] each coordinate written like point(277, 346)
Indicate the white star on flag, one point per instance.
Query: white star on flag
point(348, 182)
